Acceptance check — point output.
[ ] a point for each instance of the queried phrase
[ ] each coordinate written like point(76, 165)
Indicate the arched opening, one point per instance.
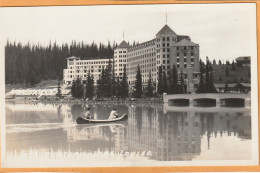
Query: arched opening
point(233, 102)
point(178, 102)
point(204, 102)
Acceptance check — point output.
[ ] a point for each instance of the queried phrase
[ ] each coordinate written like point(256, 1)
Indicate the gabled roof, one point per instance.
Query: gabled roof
point(185, 42)
point(181, 37)
point(123, 44)
point(166, 30)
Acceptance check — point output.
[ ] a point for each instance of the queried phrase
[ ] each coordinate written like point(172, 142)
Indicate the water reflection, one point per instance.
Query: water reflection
point(152, 132)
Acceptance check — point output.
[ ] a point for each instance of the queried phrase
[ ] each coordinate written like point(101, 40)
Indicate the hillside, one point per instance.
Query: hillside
point(43, 84)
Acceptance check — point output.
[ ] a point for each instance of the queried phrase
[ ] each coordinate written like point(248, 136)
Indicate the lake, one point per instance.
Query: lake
point(40, 135)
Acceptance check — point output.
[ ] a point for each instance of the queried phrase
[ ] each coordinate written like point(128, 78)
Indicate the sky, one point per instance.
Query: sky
point(223, 31)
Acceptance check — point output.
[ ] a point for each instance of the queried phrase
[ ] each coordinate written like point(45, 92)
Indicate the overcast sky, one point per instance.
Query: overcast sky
point(224, 31)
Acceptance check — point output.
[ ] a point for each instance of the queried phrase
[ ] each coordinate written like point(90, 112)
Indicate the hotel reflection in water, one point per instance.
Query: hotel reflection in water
point(166, 135)
point(170, 136)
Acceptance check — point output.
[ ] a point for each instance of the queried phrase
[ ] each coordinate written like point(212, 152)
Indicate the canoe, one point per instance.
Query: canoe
point(81, 120)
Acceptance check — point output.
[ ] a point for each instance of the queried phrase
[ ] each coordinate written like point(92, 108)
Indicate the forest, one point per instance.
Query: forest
point(29, 64)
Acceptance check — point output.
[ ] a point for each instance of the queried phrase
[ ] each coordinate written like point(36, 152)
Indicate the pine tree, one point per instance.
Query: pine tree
point(124, 84)
point(165, 84)
point(219, 62)
point(201, 87)
point(138, 83)
point(149, 86)
point(227, 71)
point(79, 88)
point(226, 88)
point(101, 84)
point(160, 81)
point(233, 67)
point(181, 83)
point(90, 86)
point(173, 80)
point(73, 88)
point(59, 90)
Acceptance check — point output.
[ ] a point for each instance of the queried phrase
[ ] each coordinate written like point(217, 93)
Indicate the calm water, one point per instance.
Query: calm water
point(40, 135)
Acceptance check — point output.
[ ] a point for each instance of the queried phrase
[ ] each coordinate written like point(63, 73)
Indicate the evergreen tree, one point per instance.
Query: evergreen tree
point(118, 88)
point(227, 71)
point(181, 86)
point(101, 84)
point(201, 87)
point(219, 62)
point(173, 80)
point(124, 84)
point(214, 62)
point(59, 90)
point(233, 67)
point(165, 84)
point(227, 63)
point(90, 86)
point(138, 83)
point(160, 81)
point(73, 88)
point(149, 86)
point(77, 88)
point(226, 88)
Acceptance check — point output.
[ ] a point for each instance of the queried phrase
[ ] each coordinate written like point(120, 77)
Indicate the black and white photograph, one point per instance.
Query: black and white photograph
point(129, 85)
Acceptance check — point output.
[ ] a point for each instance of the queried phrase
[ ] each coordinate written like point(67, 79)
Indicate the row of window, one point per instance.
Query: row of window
point(185, 54)
point(120, 52)
point(142, 45)
point(166, 39)
point(185, 59)
point(142, 52)
point(163, 45)
point(93, 62)
point(185, 47)
point(164, 56)
point(163, 50)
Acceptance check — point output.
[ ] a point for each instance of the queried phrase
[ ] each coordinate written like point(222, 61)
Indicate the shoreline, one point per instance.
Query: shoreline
point(80, 101)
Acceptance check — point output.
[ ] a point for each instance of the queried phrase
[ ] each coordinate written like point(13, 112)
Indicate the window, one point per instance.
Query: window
point(163, 50)
point(178, 60)
point(185, 60)
point(177, 48)
point(185, 65)
point(168, 61)
point(163, 61)
point(168, 44)
point(163, 38)
point(178, 66)
point(163, 56)
point(192, 59)
point(178, 54)
point(184, 54)
point(192, 54)
point(168, 50)
point(168, 39)
point(191, 47)
point(168, 55)
point(163, 44)
point(184, 47)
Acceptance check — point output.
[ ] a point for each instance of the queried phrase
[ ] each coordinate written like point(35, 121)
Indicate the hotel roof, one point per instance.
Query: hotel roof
point(123, 44)
point(166, 30)
point(185, 42)
point(72, 57)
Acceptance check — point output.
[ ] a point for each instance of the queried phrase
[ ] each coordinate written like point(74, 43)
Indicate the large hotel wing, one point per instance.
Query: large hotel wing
point(166, 49)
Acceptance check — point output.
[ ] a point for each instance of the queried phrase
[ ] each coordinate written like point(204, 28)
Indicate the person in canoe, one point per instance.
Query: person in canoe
point(88, 115)
point(113, 114)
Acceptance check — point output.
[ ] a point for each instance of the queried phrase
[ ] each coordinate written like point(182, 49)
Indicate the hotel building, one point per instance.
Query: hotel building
point(166, 49)
point(77, 68)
